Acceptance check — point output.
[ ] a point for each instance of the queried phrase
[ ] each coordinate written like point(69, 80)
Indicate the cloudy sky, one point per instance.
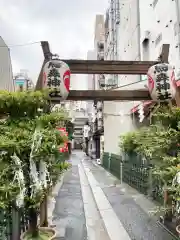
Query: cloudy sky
point(68, 25)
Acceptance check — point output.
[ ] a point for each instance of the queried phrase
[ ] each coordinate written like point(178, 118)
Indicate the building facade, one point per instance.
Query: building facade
point(22, 82)
point(136, 30)
point(96, 82)
point(121, 43)
point(6, 75)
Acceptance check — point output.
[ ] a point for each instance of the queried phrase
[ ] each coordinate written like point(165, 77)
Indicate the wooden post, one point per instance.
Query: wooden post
point(164, 55)
point(47, 56)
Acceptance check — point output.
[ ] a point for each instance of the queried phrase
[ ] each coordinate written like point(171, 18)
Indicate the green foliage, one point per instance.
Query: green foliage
point(128, 142)
point(24, 112)
point(52, 120)
point(22, 104)
point(160, 144)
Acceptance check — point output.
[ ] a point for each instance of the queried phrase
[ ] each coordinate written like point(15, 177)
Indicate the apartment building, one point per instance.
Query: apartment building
point(22, 82)
point(96, 82)
point(6, 75)
point(122, 28)
point(91, 55)
point(136, 30)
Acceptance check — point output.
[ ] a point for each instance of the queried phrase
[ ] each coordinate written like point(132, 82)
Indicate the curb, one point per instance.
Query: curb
point(53, 195)
point(112, 223)
point(164, 227)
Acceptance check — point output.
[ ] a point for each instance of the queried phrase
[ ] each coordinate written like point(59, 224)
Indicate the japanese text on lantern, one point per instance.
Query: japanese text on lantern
point(56, 76)
point(161, 82)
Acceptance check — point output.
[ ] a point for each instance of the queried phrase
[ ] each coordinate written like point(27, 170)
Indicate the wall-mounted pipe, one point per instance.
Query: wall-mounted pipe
point(138, 32)
point(178, 22)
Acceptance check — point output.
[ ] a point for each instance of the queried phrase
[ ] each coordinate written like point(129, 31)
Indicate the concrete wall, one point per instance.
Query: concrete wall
point(128, 35)
point(158, 25)
point(91, 55)
point(6, 76)
point(163, 28)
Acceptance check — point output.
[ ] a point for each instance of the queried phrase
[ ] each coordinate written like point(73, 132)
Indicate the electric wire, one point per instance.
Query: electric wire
point(20, 45)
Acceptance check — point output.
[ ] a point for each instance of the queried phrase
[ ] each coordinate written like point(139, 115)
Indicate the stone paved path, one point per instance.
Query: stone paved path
point(131, 207)
point(68, 215)
point(77, 216)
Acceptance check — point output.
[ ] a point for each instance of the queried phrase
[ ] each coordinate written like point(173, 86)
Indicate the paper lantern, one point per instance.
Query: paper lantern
point(56, 76)
point(161, 82)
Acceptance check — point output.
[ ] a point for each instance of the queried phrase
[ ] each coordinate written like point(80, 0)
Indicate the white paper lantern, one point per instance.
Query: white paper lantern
point(56, 76)
point(161, 82)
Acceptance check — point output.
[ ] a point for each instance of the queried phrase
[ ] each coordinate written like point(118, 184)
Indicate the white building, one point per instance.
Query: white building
point(91, 55)
point(136, 30)
point(96, 82)
point(22, 82)
point(6, 75)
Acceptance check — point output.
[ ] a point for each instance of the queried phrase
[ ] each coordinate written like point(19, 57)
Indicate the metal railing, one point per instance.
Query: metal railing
point(132, 169)
point(113, 163)
point(13, 222)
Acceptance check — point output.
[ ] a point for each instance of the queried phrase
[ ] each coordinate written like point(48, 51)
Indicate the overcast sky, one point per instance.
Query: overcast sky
point(68, 25)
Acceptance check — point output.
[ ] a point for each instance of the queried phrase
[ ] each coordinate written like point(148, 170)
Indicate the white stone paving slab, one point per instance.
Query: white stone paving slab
point(94, 224)
point(51, 199)
point(114, 227)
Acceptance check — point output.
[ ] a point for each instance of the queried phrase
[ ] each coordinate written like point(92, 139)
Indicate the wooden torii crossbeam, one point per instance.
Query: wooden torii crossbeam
point(101, 95)
point(108, 67)
point(105, 67)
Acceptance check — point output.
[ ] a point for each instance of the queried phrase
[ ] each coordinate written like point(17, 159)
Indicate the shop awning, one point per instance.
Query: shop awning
point(145, 105)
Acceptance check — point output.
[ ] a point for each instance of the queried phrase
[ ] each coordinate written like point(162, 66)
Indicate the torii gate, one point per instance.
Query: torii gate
point(106, 67)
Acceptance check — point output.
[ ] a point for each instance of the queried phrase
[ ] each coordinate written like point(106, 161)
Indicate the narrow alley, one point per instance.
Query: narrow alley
point(90, 204)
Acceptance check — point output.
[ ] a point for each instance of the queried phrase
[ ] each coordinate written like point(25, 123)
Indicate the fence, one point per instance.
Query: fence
point(13, 222)
point(113, 163)
point(135, 171)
